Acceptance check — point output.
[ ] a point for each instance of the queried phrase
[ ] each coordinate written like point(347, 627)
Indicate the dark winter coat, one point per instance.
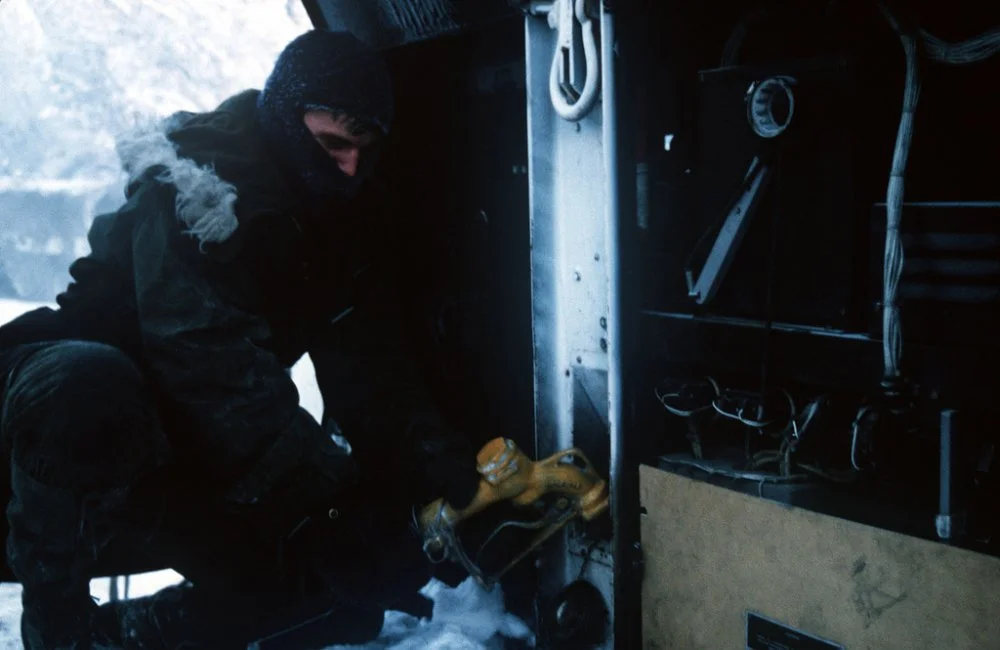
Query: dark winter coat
point(216, 277)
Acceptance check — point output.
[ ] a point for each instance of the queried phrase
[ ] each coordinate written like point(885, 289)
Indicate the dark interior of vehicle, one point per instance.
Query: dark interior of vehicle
point(798, 316)
point(775, 385)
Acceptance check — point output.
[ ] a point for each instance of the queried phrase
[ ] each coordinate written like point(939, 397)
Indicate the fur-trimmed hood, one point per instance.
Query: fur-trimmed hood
point(219, 163)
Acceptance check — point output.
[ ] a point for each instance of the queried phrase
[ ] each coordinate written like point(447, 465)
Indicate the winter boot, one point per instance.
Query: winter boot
point(170, 618)
point(195, 618)
point(55, 537)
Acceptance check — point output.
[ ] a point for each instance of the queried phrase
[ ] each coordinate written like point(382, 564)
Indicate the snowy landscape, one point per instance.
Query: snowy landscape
point(77, 75)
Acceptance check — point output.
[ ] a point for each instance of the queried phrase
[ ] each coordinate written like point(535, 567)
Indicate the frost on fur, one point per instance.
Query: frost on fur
point(205, 203)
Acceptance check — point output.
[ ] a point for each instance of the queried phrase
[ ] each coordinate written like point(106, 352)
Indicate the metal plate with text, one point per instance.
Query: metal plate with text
point(767, 634)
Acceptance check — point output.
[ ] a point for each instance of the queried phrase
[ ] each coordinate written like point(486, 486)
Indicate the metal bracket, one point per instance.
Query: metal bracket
point(951, 519)
point(727, 242)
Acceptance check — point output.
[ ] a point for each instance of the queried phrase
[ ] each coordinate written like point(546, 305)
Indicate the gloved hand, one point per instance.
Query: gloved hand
point(299, 474)
point(453, 476)
point(366, 550)
point(451, 471)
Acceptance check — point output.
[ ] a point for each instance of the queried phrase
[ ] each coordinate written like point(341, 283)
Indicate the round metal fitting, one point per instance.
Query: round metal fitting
point(771, 106)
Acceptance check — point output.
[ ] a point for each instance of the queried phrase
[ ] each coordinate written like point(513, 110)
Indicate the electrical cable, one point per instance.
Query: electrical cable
point(892, 337)
point(738, 416)
point(744, 476)
point(855, 428)
point(782, 455)
point(830, 476)
point(685, 413)
point(770, 456)
point(758, 424)
point(970, 51)
point(764, 458)
point(976, 49)
point(785, 457)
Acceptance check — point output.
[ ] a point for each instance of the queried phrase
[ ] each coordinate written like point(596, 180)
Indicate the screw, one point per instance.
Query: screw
point(597, 257)
point(604, 323)
point(604, 345)
point(579, 359)
point(567, 372)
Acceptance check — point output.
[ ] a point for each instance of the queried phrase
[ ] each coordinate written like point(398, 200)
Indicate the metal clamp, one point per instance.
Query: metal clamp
point(770, 106)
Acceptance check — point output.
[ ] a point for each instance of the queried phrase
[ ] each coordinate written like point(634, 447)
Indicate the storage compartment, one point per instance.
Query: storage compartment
point(785, 367)
point(719, 564)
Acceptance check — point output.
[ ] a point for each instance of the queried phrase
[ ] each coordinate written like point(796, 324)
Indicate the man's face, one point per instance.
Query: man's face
point(334, 135)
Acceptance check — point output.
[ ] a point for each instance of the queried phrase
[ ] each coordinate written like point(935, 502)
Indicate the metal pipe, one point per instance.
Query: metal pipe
point(612, 218)
point(618, 478)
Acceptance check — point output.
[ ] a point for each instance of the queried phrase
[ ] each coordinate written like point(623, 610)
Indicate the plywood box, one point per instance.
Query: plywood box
point(712, 555)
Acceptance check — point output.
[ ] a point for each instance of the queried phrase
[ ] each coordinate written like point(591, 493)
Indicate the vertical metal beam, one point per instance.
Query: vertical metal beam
point(620, 21)
point(574, 214)
point(612, 217)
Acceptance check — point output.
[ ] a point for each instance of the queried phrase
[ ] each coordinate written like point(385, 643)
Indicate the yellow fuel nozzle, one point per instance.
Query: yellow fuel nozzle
point(509, 475)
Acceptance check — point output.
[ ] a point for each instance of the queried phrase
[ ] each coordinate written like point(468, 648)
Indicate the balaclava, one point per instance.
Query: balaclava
point(331, 71)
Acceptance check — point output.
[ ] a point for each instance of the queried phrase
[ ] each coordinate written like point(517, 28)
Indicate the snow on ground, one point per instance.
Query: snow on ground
point(464, 618)
point(11, 309)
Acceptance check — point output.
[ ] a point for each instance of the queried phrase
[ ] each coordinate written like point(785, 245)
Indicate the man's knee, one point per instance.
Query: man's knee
point(80, 413)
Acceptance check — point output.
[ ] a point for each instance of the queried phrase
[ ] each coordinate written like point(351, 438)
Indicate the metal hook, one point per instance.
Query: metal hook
point(570, 104)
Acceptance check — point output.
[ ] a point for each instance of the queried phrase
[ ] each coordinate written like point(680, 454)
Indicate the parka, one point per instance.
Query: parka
point(215, 277)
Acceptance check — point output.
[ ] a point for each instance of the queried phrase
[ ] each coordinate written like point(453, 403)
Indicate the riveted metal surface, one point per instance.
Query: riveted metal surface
point(573, 260)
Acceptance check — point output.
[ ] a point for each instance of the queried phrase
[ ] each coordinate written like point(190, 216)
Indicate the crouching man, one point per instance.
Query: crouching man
point(152, 416)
